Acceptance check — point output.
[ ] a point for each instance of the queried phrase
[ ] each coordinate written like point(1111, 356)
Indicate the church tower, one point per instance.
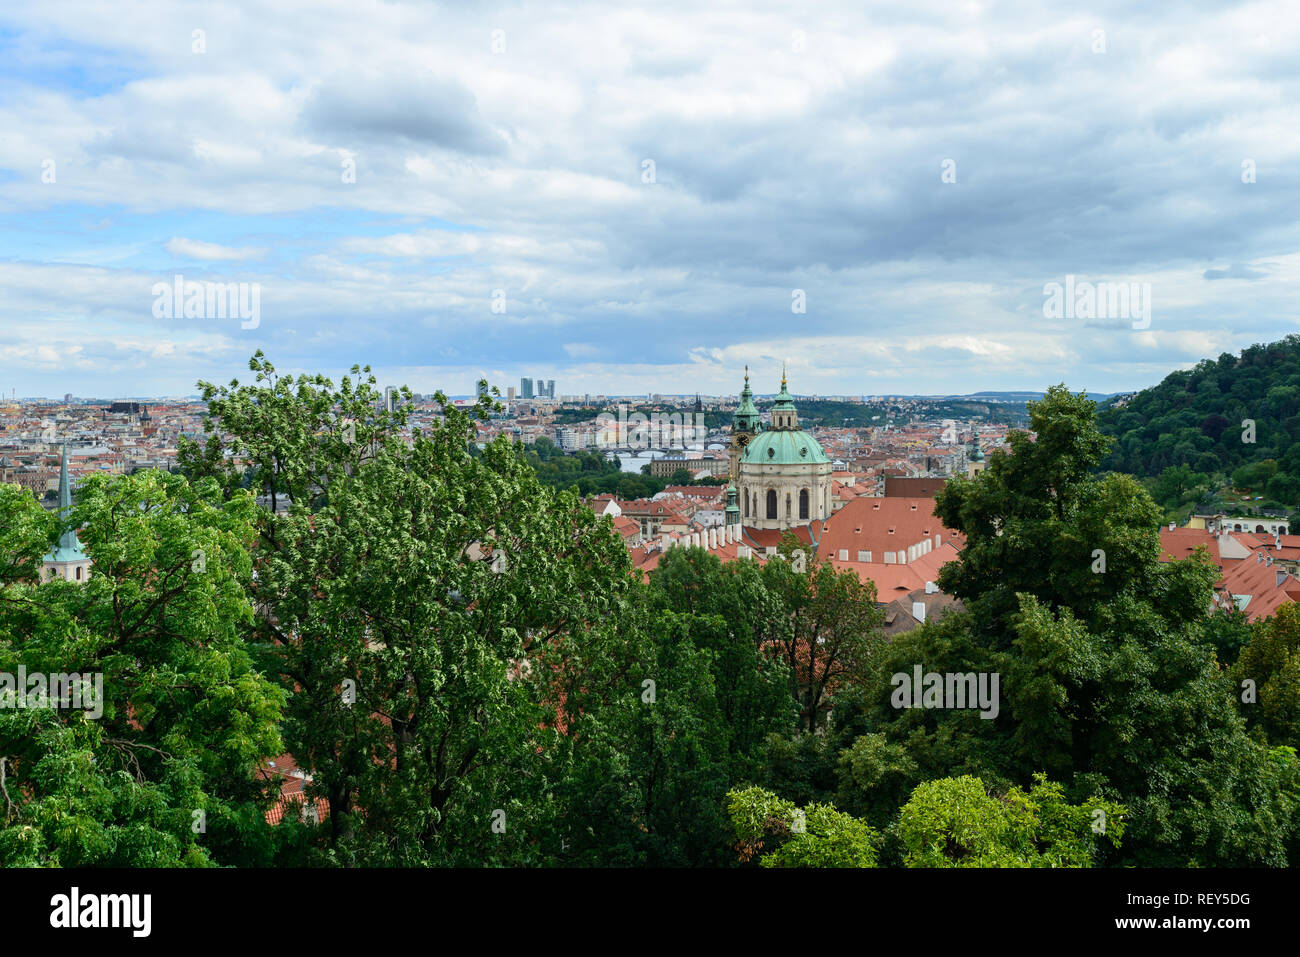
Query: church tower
point(975, 457)
point(733, 510)
point(67, 560)
point(745, 424)
point(784, 416)
point(784, 475)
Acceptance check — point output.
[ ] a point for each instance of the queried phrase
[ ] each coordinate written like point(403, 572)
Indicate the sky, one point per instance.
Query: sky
point(633, 199)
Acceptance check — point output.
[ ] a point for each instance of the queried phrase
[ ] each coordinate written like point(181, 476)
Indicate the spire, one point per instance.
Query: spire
point(69, 548)
point(783, 411)
point(65, 487)
point(746, 417)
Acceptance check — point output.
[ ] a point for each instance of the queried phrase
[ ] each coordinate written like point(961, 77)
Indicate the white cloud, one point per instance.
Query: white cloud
point(197, 249)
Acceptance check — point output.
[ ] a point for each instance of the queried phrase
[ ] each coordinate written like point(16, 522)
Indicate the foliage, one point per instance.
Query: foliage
point(955, 822)
point(1271, 660)
point(186, 716)
point(1195, 418)
point(780, 834)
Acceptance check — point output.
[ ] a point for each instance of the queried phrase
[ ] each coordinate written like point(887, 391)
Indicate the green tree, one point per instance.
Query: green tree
point(164, 776)
point(1108, 677)
point(1271, 663)
point(826, 632)
point(956, 822)
point(781, 834)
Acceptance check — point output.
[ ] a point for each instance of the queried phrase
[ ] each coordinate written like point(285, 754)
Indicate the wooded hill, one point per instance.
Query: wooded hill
point(1199, 418)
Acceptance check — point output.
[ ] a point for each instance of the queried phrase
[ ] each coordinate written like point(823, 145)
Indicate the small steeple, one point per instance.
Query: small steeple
point(783, 411)
point(746, 417)
point(68, 541)
point(67, 560)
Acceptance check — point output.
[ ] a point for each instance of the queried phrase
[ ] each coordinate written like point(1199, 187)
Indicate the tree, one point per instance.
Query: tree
point(437, 619)
point(652, 764)
point(1108, 676)
point(164, 774)
point(827, 630)
point(780, 834)
point(1270, 662)
point(727, 607)
point(956, 822)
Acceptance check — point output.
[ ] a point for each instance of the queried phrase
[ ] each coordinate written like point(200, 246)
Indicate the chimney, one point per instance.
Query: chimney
point(931, 588)
point(1259, 557)
point(918, 611)
point(1171, 526)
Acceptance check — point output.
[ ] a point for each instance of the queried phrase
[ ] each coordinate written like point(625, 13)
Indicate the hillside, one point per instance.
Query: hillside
point(1194, 419)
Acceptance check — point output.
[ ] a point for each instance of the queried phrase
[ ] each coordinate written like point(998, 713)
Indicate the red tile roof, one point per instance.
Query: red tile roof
point(1178, 543)
point(880, 525)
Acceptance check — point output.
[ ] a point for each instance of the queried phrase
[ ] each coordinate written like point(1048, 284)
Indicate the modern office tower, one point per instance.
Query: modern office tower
point(482, 389)
point(510, 393)
point(390, 395)
point(525, 388)
point(550, 388)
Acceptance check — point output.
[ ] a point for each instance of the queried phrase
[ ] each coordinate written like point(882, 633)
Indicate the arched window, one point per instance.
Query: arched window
point(771, 503)
point(803, 503)
point(1259, 528)
point(746, 505)
point(78, 573)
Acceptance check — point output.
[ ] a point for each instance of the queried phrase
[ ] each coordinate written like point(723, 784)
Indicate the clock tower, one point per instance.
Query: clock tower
point(745, 424)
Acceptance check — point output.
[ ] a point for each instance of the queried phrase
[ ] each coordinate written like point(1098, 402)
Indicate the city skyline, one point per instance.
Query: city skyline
point(645, 200)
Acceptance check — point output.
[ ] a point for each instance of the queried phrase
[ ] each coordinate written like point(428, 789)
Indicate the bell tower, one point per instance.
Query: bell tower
point(746, 423)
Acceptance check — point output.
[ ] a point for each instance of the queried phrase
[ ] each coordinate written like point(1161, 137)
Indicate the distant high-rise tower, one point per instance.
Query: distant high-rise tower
point(390, 395)
point(525, 388)
point(550, 388)
point(510, 393)
point(67, 560)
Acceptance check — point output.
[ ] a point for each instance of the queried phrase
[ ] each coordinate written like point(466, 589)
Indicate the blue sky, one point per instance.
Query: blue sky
point(795, 146)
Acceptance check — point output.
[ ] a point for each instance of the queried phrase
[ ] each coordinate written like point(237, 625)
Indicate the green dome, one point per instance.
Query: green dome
point(784, 447)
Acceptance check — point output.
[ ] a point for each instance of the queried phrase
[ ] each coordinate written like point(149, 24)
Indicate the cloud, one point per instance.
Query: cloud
point(351, 108)
point(778, 167)
point(197, 249)
point(1236, 271)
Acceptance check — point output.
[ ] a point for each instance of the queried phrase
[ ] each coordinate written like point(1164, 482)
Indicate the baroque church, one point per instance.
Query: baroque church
point(781, 474)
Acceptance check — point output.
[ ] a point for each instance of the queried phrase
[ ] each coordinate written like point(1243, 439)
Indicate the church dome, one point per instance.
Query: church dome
point(784, 447)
